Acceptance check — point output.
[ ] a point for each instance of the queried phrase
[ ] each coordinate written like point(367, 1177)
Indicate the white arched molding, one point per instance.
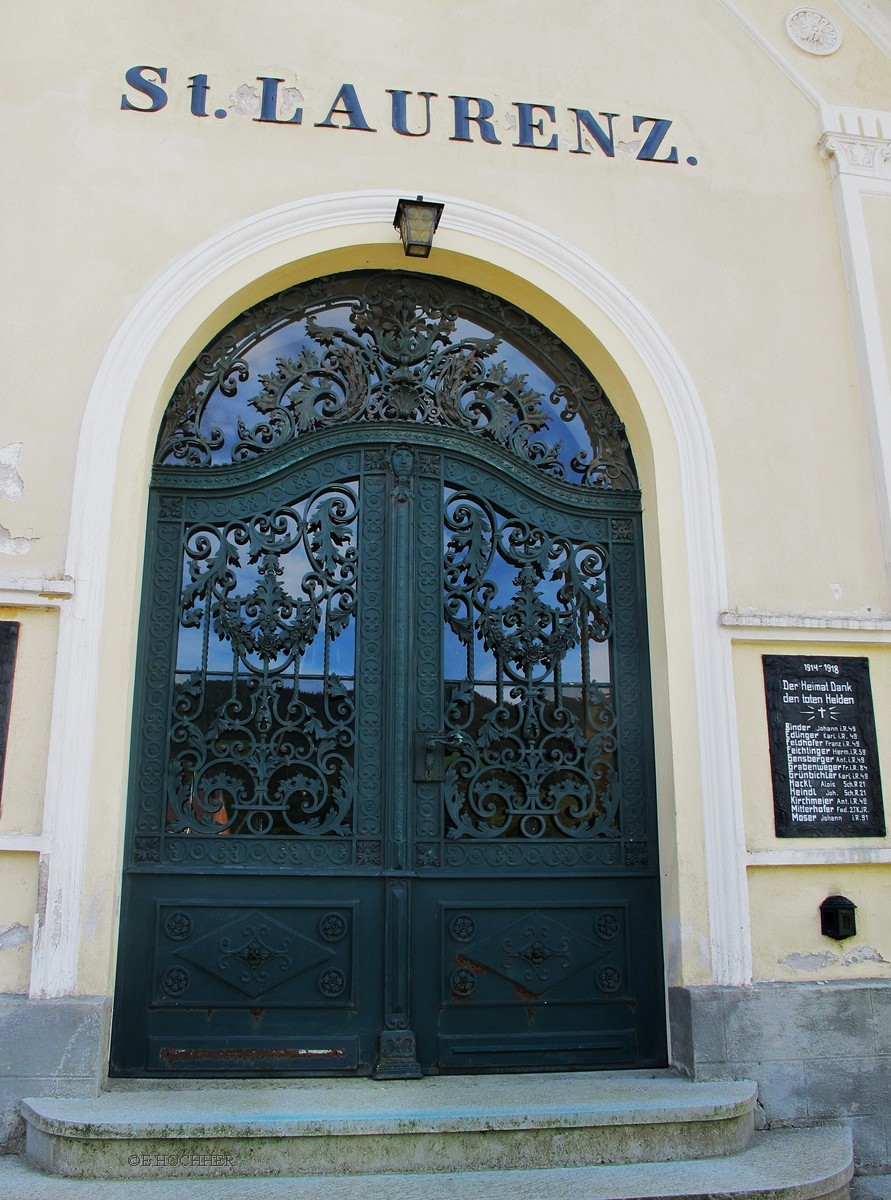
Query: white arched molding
point(66, 809)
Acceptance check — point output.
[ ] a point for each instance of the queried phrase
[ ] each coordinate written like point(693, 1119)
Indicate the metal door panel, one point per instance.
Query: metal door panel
point(392, 795)
point(284, 969)
point(536, 974)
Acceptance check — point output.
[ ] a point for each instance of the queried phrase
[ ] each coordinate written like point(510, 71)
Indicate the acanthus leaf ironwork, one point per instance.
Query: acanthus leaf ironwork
point(394, 347)
point(533, 732)
point(263, 729)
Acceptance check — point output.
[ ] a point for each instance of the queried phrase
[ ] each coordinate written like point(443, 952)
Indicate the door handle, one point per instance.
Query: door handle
point(430, 753)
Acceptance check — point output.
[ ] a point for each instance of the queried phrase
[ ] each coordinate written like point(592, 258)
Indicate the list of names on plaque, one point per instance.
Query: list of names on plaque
point(823, 753)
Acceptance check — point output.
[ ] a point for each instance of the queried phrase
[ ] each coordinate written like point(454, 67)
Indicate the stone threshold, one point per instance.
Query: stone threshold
point(435, 1103)
point(366, 1127)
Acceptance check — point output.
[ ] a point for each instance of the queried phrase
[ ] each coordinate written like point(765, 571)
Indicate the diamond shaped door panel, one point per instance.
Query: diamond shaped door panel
point(533, 956)
point(541, 983)
point(219, 954)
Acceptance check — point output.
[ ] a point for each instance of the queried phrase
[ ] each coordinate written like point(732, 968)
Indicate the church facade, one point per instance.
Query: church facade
point(467, 659)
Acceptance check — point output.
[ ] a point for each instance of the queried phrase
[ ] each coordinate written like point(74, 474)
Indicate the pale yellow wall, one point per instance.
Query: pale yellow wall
point(737, 259)
point(858, 74)
point(787, 941)
point(18, 889)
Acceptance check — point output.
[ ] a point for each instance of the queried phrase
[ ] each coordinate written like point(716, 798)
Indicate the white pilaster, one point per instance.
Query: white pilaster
point(858, 144)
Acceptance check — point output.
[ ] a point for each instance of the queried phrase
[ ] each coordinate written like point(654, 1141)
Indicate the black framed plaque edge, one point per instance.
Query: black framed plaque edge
point(786, 667)
point(9, 640)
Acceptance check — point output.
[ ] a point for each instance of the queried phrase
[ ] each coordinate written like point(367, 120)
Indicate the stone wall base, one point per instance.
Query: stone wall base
point(48, 1048)
point(820, 1052)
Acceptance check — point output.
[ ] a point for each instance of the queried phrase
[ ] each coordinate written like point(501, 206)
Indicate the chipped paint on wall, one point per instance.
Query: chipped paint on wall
point(862, 954)
point(245, 102)
point(12, 486)
point(811, 962)
point(818, 961)
point(14, 545)
point(13, 936)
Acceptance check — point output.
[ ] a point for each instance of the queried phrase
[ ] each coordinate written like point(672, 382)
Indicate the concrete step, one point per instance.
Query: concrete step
point(792, 1164)
point(369, 1127)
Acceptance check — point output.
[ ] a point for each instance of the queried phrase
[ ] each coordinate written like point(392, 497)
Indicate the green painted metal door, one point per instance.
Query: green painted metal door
point(392, 800)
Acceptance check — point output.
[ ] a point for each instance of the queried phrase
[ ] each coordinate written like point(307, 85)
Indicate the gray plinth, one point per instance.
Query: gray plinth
point(820, 1052)
point(51, 1047)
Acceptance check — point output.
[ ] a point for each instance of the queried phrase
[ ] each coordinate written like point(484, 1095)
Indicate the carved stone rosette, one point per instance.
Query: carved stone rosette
point(813, 31)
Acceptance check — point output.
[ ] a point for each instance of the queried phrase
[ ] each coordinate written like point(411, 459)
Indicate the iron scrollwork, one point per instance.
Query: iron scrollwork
point(262, 735)
point(394, 634)
point(392, 347)
point(532, 730)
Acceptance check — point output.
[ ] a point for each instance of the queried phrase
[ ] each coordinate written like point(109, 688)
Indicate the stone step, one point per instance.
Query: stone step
point(791, 1164)
point(369, 1127)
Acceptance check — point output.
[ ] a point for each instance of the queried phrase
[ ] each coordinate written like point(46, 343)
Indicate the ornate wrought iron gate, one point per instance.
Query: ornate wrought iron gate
point(392, 799)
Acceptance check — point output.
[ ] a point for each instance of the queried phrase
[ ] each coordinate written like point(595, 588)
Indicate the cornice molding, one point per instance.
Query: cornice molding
point(773, 53)
point(859, 154)
point(779, 622)
point(873, 22)
point(16, 591)
point(835, 855)
point(867, 157)
point(22, 843)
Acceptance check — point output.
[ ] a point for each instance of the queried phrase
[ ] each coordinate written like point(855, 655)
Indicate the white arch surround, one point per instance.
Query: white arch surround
point(68, 788)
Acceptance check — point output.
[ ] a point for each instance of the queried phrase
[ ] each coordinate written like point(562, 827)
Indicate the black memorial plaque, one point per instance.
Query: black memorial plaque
point(823, 754)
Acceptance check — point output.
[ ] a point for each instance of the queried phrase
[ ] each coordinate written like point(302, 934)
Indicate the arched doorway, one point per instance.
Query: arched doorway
point(392, 803)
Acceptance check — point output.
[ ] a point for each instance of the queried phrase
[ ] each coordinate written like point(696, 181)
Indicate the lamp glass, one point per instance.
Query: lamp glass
point(417, 223)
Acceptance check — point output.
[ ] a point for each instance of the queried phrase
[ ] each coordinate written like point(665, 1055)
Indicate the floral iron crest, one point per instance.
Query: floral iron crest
point(395, 347)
